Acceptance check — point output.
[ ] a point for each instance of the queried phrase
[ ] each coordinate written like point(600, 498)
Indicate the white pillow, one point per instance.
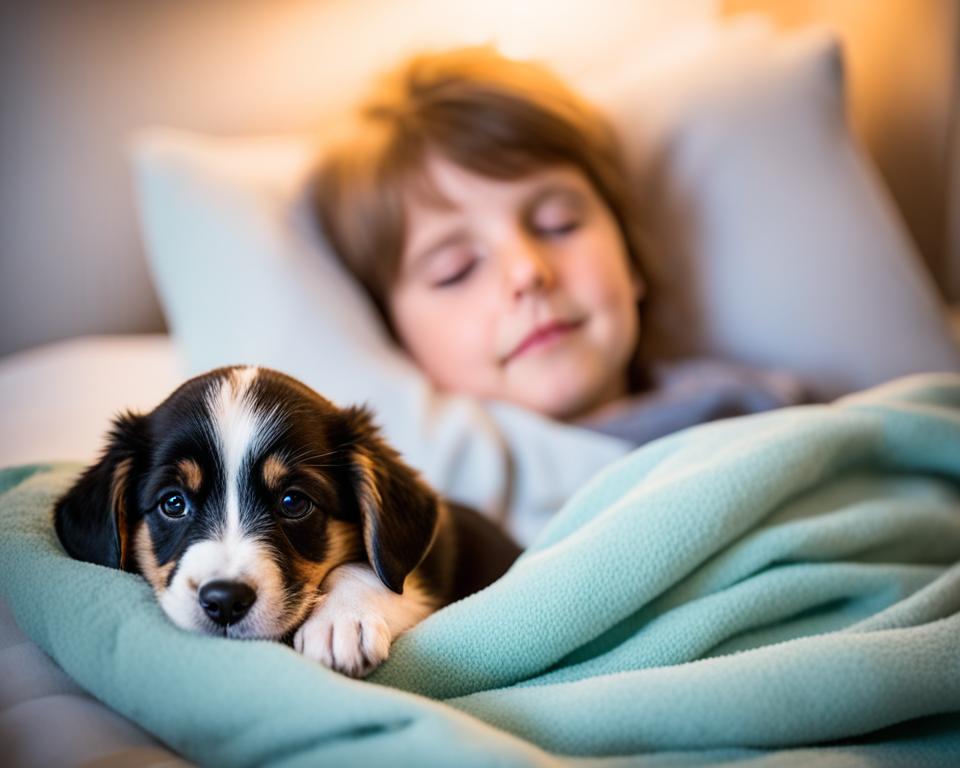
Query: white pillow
point(787, 254)
point(781, 247)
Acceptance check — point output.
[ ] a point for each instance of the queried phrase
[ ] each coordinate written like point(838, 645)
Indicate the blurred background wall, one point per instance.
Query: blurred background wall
point(77, 78)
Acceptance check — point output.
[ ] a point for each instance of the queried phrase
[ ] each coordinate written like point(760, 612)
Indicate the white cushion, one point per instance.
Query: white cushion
point(780, 246)
point(57, 400)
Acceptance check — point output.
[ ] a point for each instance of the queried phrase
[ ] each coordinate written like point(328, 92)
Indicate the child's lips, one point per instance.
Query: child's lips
point(542, 336)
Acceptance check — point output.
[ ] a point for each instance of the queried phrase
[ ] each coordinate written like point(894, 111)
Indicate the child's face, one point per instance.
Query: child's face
point(518, 290)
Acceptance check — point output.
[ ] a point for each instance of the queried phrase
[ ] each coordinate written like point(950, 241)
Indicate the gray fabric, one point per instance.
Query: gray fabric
point(47, 720)
point(694, 391)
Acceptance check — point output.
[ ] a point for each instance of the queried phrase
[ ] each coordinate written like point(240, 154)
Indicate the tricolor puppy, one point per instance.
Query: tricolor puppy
point(255, 508)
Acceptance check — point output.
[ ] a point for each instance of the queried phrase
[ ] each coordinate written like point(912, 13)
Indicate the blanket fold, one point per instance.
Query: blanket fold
point(784, 581)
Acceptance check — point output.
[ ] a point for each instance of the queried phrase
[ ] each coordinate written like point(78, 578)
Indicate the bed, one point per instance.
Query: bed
point(753, 172)
point(804, 555)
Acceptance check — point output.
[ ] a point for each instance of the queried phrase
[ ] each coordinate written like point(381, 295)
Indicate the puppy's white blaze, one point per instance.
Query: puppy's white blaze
point(232, 555)
point(239, 430)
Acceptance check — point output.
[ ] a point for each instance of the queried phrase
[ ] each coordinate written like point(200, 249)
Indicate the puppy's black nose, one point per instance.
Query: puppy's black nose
point(226, 602)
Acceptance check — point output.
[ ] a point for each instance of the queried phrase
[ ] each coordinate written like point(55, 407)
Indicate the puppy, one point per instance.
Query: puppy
point(255, 508)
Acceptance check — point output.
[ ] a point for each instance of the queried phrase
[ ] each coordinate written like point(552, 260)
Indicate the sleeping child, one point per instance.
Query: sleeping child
point(486, 210)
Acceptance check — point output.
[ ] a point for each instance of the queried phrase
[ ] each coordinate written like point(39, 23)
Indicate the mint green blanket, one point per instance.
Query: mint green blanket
point(778, 589)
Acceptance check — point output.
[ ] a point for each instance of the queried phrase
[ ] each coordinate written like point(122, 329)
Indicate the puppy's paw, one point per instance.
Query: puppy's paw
point(346, 638)
point(356, 619)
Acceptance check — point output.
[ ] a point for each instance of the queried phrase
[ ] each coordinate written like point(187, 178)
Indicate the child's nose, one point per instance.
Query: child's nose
point(528, 268)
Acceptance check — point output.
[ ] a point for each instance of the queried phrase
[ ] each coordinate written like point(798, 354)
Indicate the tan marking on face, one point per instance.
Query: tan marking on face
point(190, 474)
point(118, 485)
point(274, 470)
point(155, 574)
point(344, 545)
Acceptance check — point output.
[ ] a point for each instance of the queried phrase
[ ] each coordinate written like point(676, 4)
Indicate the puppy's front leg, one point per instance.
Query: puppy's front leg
point(357, 618)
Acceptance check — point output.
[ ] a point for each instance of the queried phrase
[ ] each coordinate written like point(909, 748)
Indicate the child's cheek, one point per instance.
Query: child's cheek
point(597, 287)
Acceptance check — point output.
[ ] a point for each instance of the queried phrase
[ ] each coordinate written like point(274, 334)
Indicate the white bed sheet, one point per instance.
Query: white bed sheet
point(56, 401)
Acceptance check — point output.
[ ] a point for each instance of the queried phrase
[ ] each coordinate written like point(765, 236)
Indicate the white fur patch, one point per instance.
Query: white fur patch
point(238, 430)
point(354, 623)
point(245, 560)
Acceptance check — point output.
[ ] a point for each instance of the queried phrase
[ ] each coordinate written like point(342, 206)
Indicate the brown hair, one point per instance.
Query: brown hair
point(491, 115)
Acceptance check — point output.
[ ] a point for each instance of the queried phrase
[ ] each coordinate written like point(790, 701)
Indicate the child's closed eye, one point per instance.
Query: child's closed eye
point(451, 269)
point(557, 215)
point(558, 229)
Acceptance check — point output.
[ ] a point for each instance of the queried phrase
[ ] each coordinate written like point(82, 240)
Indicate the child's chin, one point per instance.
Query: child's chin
point(560, 408)
point(566, 402)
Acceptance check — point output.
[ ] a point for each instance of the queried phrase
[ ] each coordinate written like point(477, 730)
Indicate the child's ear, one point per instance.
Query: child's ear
point(398, 511)
point(91, 518)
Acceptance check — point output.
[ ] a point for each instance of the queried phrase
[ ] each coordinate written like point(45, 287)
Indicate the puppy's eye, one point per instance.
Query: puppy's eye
point(173, 505)
point(295, 505)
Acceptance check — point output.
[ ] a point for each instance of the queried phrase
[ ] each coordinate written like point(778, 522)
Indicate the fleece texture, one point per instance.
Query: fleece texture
point(779, 589)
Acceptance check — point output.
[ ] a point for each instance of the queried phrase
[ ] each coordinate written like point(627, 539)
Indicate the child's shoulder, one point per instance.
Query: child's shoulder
point(708, 374)
point(683, 393)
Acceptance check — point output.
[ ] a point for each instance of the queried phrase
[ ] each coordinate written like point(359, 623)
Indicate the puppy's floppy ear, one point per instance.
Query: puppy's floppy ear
point(91, 518)
point(397, 509)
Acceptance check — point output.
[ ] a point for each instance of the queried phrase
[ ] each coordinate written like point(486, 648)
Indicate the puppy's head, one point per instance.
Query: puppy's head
point(238, 494)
